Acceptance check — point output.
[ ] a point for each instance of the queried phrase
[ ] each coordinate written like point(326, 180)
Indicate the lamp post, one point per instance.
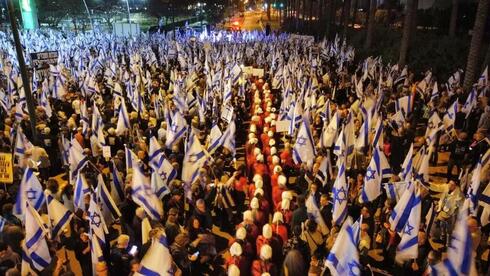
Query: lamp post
point(23, 71)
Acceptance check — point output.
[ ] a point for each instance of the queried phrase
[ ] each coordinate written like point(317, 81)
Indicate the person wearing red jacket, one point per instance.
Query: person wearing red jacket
point(278, 227)
point(265, 237)
point(237, 259)
point(263, 264)
point(258, 215)
point(249, 225)
point(277, 191)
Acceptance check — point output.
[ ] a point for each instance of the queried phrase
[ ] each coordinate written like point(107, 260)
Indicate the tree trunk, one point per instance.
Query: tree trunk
point(476, 42)
point(346, 16)
point(268, 9)
point(407, 27)
point(454, 18)
point(370, 25)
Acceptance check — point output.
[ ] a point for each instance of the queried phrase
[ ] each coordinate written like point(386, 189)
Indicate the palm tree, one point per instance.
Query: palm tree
point(475, 46)
point(370, 25)
point(407, 29)
point(454, 18)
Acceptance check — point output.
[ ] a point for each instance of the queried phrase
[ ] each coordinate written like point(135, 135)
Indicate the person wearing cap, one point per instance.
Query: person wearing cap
point(172, 227)
point(236, 258)
point(278, 189)
point(249, 225)
point(278, 226)
point(120, 257)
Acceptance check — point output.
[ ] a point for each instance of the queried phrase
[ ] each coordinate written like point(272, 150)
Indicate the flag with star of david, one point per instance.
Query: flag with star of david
point(123, 123)
point(177, 129)
point(378, 167)
point(408, 246)
point(460, 260)
point(343, 259)
point(400, 214)
point(194, 159)
point(304, 148)
point(161, 167)
point(450, 116)
point(59, 215)
point(31, 190)
point(108, 206)
point(36, 246)
point(143, 195)
point(407, 166)
point(340, 195)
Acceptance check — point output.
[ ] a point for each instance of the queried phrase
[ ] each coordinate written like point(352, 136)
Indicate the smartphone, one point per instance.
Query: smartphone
point(133, 250)
point(196, 254)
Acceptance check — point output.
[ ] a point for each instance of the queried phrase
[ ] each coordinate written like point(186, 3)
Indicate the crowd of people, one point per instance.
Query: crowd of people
point(239, 153)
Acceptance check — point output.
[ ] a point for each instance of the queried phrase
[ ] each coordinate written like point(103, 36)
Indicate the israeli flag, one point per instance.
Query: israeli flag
point(313, 211)
point(194, 159)
point(228, 138)
point(343, 259)
point(450, 116)
point(80, 190)
point(157, 260)
point(37, 250)
point(378, 167)
point(472, 192)
point(459, 259)
point(123, 124)
point(394, 190)
point(30, 190)
point(21, 144)
point(435, 92)
point(470, 103)
point(98, 229)
point(422, 174)
point(401, 212)
point(304, 148)
point(434, 125)
point(324, 170)
point(407, 166)
point(408, 247)
point(59, 215)
point(214, 138)
point(340, 195)
point(3, 222)
point(329, 132)
point(177, 129)
point(161, 167)
point(143, 195)
point(108, 206)
point(117, 185)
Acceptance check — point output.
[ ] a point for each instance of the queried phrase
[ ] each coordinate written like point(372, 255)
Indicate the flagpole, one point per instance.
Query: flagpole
point(89, 16)
point(23, 71)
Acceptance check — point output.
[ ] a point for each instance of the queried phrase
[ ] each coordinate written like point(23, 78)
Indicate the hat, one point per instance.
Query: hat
point(259, 191)
point(256, 151)
point(272, 142)
point(265, 252)
point(270, 133)
point(277, 168)
point(277, 217)
point(285, 204)
point(267, 231)
point(282, 180)
point(257, 177)
point(259, 183)
point(273, 150)
point(251, 135)
point(236, 249)
point(254, 204)
point(260, 158)
point(233, 270)
point(253, 128)
point(241, 233)
point(247, 215)
point(286, 195)
point(268, 119)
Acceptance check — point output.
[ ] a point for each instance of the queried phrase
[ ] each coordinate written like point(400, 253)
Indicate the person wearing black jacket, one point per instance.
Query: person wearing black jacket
point(458, 150)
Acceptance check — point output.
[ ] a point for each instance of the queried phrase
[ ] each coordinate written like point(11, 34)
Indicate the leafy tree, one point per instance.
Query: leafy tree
point(52, 12)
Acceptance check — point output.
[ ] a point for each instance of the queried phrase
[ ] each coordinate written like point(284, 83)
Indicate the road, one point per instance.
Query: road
point(254, 20)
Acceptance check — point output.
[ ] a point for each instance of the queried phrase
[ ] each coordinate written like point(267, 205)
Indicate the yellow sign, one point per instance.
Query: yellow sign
point(6, 168)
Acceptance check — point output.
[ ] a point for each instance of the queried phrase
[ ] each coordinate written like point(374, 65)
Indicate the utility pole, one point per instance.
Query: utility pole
point(23, 71)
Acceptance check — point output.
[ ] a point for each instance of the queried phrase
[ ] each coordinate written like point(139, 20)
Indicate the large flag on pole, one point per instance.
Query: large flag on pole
point(59, 215)
point(304, 148)
point(378, 167)
point(194, 159)
point(157, 260)
point(37, 249)
point(408, 246)
point(340, 195)
point(401, 212)
point(31, 190)
point(343, 259)
point(123, 124)
point(160, 165)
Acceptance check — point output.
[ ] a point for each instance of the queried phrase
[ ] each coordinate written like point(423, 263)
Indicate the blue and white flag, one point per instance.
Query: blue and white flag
point(21, 144)
point(460, 260)
point(377, 169)
point(3, 222)
point(408, 247)
point(325, 170)
point(356, 230)
point(422, 172)
point(470, 103)
point(76, 158)
point(329, 132)
point(214, 138)
point(450, 116)
point(407, 166)
point(472, 192)
point(434, 125)
point(80, 190)
point(340, 195)
point(176, 129)
point(304, 148)
point(108, 206)
point(98, 229)
point(314, 212)
point(59, 215)
point(143, 195)
point(123, 123)
point(37, 249)
point(162, 167)
point(194, 159)
point(343, 259)
point(394, 190)
point(228, 138)
point(401, 212)
point(435, 92)
point(157, 260)
point(117, 185)
point(483, 79)
point(30, 190)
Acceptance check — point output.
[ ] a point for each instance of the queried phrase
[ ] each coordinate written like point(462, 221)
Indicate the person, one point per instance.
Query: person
point(120, 258)
point(172, 228)
point(458, 152)
point(8, 258)
point(300, 215)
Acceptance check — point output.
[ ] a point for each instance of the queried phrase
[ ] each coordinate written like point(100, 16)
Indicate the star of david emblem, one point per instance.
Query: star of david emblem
point(408, 229)
point(339, 195)
point(301, 141)
point(354, 268)
point(95, 219)
point(370, 173)
point(163, 175)
point(31, 194)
